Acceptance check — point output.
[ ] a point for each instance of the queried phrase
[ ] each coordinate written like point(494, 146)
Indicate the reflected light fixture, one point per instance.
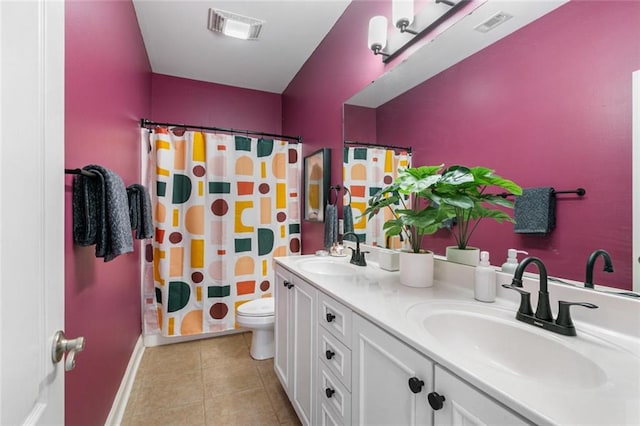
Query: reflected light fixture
point(377, 39)
point(234, 25)
point(402, 15)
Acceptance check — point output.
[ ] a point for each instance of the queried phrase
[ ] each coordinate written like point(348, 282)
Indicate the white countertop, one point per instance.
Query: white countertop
point(377, 295)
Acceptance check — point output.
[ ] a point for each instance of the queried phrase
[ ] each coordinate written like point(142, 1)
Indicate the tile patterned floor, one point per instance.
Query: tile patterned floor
point(207, 382)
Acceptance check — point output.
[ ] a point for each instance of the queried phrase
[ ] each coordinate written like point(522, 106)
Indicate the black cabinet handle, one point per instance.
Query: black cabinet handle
point(415, 385)
point(329, 354)
point(288, 285)
point(436, 400)
point(330, 317)
point(329, 392)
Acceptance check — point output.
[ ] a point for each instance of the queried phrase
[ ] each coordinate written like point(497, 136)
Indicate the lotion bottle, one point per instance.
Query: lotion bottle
point(485, 280)
point(512, 261)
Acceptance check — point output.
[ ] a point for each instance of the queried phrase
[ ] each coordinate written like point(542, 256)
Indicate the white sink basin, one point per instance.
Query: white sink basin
point(492, 336)
point(324, 266)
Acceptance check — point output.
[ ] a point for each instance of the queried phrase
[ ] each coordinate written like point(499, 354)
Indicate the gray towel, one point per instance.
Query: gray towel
point(330, 225)
point(347, 222)
point(101, 213)
point(534, 211)
point(140, 211)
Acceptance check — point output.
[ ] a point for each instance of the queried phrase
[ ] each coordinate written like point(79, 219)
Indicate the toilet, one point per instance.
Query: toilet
point(259, 316)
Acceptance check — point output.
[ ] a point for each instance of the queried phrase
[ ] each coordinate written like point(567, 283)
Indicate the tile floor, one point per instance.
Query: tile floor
point(207, 382)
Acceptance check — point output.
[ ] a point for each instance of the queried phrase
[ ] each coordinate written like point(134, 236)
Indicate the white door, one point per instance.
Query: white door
point(390, 380)
point(465, 405)
point(31, 210)
point(304, 352)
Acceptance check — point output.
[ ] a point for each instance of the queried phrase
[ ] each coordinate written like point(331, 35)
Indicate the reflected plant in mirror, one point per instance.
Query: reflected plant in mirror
point(462, 194)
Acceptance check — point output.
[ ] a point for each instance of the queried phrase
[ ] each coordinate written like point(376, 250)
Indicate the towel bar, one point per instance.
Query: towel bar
point(79, 172)
point(580, 191)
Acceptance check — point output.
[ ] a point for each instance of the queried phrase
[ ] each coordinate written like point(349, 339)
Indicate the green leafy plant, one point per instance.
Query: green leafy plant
point(463, 194)
point(427, 198)
point(409, 200)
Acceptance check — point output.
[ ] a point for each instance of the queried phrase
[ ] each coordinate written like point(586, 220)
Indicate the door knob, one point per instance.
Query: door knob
point(61, 345)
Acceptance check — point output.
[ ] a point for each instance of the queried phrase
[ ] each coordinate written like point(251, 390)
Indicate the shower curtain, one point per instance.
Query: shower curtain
point(365, 171)
point(224, 207)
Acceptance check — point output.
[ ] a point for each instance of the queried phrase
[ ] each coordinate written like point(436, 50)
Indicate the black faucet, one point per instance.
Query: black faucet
point(357, 257)
point(543, 316)
point(608, 266)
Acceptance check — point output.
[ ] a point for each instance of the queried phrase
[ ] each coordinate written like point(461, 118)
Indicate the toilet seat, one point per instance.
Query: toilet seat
point(263, 307)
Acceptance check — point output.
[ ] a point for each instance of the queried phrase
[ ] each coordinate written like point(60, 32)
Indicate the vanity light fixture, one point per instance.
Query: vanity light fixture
point(402, 14)
point(377, 39)
point(234, 25)
point(433, 13)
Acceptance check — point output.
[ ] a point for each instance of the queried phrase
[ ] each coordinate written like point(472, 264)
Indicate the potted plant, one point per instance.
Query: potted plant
point(462, 194)
point(413, 215)
point(427, 198)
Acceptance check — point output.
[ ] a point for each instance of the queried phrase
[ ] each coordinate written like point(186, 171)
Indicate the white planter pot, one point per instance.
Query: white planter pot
point(416, 269)
point(468, 256)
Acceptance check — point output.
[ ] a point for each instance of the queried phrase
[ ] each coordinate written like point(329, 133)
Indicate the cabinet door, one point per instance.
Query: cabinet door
point(382, 367)
point(283, 360)
point(465, 405)
point(303, 323)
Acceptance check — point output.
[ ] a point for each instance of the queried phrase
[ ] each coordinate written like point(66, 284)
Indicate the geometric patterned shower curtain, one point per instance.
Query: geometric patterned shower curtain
point(365, 171)
point(224, 207)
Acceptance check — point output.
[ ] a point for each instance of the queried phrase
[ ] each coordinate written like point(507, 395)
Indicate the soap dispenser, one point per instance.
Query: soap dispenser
point(485, 280)
point(512, 261)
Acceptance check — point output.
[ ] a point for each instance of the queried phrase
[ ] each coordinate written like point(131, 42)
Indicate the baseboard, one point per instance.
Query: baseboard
point(159, 340)
point(120, 401)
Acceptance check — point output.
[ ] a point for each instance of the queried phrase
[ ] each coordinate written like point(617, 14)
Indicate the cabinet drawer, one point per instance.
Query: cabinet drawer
point(335, 317)
point(335, 355)
point(327, 417)
point(334, 395)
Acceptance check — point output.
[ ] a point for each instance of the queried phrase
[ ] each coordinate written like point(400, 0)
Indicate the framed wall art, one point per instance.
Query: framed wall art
point(317, 177)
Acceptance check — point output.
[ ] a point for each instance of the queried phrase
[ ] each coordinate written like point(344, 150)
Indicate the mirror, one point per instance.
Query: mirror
point(548, 105)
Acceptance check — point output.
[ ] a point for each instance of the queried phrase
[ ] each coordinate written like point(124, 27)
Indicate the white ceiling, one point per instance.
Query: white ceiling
point(179, 44)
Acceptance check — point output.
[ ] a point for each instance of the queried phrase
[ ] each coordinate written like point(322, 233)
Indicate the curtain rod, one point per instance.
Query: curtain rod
point(373, 145)
point(144, 123)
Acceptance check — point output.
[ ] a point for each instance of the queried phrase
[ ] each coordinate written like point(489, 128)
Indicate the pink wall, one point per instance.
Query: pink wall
point(180, 100)
point(359, 124)
point(549, 105)
point(107, 90)
point(312, 103)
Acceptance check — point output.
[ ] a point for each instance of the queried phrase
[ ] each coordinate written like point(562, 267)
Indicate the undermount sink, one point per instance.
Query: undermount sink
point(324, 266)
point(491, 336)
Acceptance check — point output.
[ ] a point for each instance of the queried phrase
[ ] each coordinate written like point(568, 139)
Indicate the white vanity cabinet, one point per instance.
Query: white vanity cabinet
point(465, 405)
point(390, 380)
point(295, 341)
point(339, 368)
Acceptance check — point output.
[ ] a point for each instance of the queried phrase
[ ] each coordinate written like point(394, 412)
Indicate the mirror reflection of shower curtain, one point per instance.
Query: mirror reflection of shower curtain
point(224, 207)
point(365, 171)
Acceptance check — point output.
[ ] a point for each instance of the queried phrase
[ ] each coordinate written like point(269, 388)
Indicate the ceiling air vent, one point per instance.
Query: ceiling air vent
point(234, 25)
point(493, 22)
